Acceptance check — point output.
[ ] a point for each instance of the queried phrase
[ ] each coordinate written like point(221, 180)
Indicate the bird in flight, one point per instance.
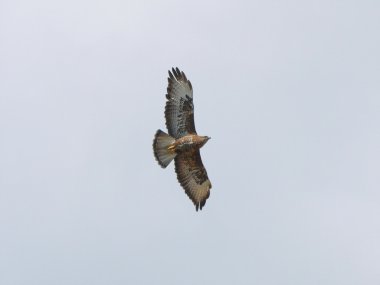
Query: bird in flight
point(182, 143)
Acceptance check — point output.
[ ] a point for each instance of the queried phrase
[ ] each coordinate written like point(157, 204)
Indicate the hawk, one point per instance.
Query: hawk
point(182, 143)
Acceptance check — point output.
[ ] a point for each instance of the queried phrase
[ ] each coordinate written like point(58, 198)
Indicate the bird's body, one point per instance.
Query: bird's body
point(182, 143)
point(188, 143)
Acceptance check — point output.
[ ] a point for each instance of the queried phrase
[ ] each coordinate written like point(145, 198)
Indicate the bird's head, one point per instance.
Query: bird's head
point(205, 139)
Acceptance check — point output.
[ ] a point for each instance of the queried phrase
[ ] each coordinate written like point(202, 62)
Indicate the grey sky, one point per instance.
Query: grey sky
point(289, 91)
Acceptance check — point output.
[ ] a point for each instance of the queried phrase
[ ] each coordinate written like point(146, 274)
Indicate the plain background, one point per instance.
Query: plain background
point(289, 91)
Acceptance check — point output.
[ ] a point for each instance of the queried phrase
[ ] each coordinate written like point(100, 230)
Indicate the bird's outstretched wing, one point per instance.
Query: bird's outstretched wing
point(179, 109)
point(193, 177)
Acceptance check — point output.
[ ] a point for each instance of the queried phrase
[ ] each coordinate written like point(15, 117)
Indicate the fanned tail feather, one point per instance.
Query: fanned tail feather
point(161, 144)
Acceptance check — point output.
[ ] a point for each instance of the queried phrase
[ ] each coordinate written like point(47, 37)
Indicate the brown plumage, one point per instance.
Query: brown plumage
point(182, 143)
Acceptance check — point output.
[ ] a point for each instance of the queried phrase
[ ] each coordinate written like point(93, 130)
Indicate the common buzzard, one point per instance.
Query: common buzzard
point(182, 143)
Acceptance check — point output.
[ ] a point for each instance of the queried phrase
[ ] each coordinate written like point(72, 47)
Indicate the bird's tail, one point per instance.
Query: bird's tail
point(163, 151)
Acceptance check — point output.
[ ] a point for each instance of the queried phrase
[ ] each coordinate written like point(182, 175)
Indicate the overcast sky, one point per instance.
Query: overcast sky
point(289, 91)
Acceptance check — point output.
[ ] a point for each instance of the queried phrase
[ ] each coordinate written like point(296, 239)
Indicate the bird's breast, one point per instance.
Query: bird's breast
point(186, 143)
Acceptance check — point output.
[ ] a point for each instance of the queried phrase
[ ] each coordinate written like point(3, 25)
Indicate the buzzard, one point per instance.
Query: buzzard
point(182, 143)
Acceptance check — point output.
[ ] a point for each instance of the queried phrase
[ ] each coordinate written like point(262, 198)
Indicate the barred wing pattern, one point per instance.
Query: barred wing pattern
point(179, 109)
point(193, 177)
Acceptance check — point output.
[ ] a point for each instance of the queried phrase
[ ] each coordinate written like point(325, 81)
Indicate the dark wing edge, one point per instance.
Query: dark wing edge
point(179, 76)
point(192, 176)
point(179, 109)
